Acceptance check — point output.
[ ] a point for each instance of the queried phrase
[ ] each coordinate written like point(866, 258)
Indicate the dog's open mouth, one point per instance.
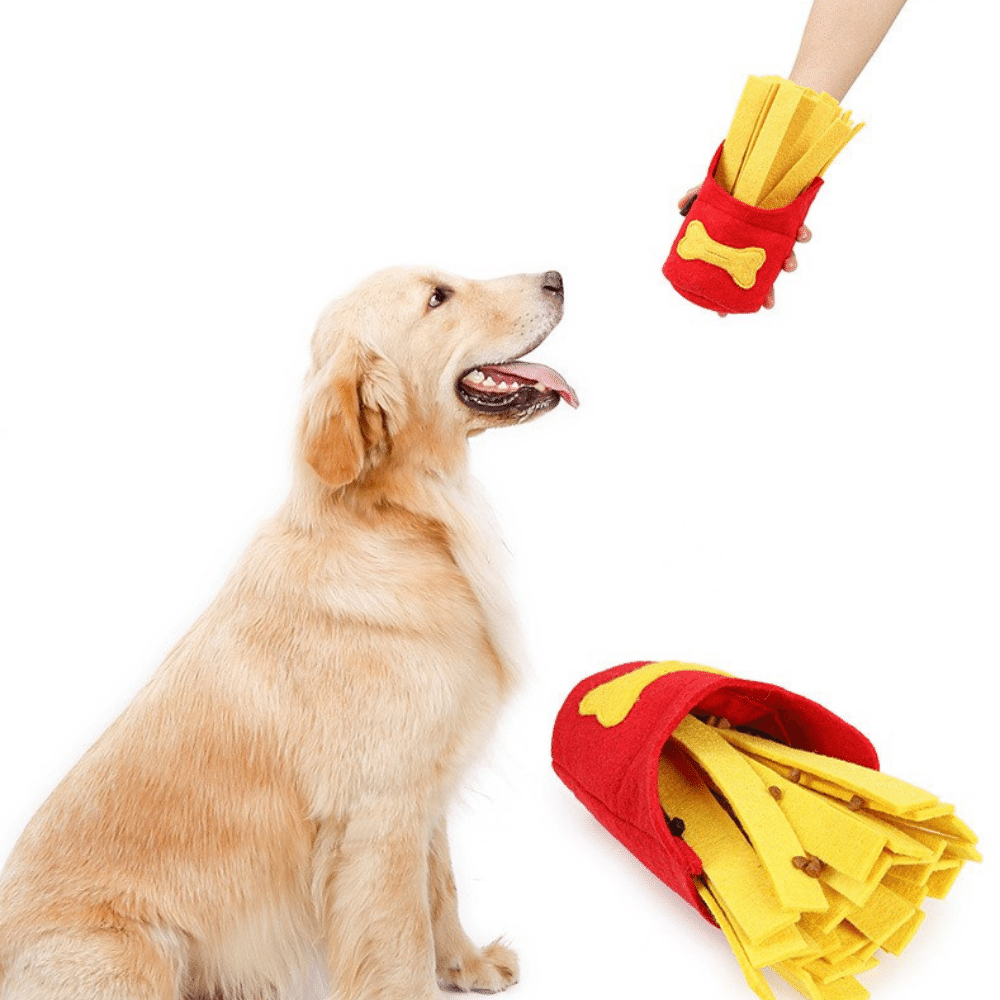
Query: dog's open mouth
point(515, 387)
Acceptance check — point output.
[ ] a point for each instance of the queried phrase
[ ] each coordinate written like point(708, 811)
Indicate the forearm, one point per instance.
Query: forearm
point(839, 38)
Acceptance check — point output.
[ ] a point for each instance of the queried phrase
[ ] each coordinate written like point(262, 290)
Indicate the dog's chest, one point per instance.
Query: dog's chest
point(484, 561)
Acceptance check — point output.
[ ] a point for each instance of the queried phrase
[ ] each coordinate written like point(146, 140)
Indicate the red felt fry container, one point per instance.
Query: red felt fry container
point(611, 762)
point(728, 254)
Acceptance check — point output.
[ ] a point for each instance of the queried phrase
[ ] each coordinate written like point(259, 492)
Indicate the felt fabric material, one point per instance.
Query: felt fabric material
point(782, 136)
point(880, 791)
point(739, 227)
point(613, 770)
point(844, 842)
point(759, 815)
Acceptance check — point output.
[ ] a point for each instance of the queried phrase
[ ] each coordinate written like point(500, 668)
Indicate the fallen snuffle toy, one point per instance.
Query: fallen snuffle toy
point(766, 812)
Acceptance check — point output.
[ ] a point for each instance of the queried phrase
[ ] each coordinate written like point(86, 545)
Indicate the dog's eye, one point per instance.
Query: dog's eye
point(440, 296)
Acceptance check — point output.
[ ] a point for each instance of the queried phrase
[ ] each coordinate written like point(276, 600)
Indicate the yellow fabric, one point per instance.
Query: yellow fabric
point(940, 882)
point(754, 979)
point(859, 892)
point(731, 864)
point(844, 841)
point(758, 813)
point(755, 98)
point(880, 791)
point(741, 264)
point(611, 702)
point(767, 820)
point(883, 915)
point(782, 136)
point(895, 943)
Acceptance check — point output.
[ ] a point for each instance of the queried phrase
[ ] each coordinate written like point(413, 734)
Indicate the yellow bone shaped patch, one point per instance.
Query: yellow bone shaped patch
point(611, 702)
point(741, 265)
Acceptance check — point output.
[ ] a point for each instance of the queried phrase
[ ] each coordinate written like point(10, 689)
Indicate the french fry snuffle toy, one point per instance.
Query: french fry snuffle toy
point(766, 812)
point(742, 226)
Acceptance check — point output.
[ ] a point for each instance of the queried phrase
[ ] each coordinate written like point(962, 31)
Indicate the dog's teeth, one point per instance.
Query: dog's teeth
point(540, 386)
point(502, 386)
point(514, 385)
point(489, 382)
point(475, 377)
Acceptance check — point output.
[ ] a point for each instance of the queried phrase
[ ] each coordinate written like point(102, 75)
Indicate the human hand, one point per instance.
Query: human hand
point(804, 235)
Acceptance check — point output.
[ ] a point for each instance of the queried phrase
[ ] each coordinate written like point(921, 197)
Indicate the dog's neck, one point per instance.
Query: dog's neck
point(441, 495)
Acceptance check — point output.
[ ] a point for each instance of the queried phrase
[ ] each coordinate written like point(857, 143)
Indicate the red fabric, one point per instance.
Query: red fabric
point(736, 224)
point(613, 771)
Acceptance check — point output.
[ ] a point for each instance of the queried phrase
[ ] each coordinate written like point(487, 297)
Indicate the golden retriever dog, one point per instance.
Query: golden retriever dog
point(277, 793)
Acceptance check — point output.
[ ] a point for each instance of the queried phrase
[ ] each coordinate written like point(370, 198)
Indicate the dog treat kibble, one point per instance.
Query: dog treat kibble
point(815, 867)
point(795, 775)
point(775, 792)
point(856, 803)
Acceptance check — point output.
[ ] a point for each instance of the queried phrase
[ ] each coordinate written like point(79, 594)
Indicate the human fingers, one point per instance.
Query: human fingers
point(684, 205)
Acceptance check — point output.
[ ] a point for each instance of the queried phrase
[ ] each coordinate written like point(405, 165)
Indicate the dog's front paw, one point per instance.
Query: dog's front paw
point(488, 970)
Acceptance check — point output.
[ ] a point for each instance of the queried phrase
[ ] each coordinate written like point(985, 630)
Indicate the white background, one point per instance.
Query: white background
point(806, 496)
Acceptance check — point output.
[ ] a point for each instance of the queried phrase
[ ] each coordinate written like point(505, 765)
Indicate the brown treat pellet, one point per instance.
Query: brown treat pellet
point(800, 862)
point(814, 868)
point(795, 775)
point(775, 792)
point(725, 724)
point(711, 720)
point(856, 803)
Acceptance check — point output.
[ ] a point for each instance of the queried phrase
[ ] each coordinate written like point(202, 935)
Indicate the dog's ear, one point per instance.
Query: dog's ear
point(354, 403)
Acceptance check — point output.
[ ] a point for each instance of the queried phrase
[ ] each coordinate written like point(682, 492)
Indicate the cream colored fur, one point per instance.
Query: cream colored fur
point(280, 786)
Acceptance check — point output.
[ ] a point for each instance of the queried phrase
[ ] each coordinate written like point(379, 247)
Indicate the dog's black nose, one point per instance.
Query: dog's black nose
point(552, 282)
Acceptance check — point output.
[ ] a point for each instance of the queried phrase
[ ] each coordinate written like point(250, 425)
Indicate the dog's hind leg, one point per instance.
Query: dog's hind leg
point(461, 966)
point(104, 964)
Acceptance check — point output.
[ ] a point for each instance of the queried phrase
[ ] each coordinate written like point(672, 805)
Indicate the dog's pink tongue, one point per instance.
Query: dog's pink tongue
point(524, 371)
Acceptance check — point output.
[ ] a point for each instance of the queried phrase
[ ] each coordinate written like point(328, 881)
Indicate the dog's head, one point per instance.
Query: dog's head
point(416, 360)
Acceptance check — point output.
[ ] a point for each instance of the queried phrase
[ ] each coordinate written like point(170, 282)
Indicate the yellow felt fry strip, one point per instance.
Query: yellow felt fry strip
point(912, 872)
point(960, 851)
point(787, 943)
point(813, 925)
point(795, 976)
point(828, 972)
point(858, 892)
point(943, 847)
point(760, 160)
point(896, 943)
point(850, 941)
point(835, 835)
point(797, 139)
point(883, 915)
point(840, 907)
point(941, 882)
point(896, 841)
point(951, 826)
point(754, 979)
point(913, 894)
point(802, 173)
point(762, 821)
point(729, 861)
point(842, 989)
point(848, 135)
point(749, 111)
point(938, 811)
point(877, 789)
